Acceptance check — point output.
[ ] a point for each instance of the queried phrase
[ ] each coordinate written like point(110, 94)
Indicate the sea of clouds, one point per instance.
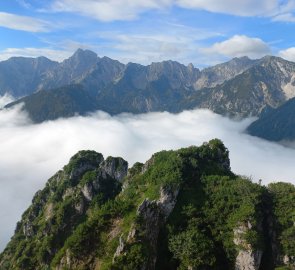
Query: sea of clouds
point(30, 154)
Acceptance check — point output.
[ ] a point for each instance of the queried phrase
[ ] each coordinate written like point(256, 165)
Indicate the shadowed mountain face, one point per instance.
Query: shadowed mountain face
point(276, 124)
point(238, 88)
point(23, 76)
point(182, 209)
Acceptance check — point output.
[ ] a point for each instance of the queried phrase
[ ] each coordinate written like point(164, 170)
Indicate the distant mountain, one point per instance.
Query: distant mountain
point(239, 88)
point(21, 76)
point(60, 102)
point(182, 209)
point(276, 124)
point(212, 76)
point(270, 82)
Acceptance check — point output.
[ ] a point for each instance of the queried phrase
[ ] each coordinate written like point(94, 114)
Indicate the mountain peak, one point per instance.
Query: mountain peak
point(82, 56)
point(84, 52)
point(271, 58)
point(241, 58)
point(81, 61)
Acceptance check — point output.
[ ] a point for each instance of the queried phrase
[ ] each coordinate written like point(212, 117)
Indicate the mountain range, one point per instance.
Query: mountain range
point(85, 82)
point(182, 209)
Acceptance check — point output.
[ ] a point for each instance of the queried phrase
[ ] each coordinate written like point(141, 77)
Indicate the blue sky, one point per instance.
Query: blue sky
point(204, 32)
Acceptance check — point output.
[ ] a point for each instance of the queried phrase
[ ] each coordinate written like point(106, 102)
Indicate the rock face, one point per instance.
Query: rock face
point(248, 258)
point(213, 76)
point(152, 214)
point(115, 167)
point(248, 93)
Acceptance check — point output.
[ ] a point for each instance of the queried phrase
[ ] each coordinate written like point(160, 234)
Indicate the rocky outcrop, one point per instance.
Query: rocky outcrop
point(80, 163)
point(115, 167)
point(289, 260)
point(87, 191)
point(147, 164)
point(152, 215)
point(167, 201)
point(247, 258)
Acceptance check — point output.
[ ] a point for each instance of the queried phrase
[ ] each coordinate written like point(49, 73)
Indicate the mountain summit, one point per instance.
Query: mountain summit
point(182, 209)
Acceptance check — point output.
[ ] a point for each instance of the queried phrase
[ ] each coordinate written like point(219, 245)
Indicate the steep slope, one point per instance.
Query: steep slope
point(21, 76)
point(213, 76)
point(60, 102)
point(276, 124)
point(270, 82)
point(182, 209)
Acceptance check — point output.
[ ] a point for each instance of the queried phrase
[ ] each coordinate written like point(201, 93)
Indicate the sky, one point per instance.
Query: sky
point(202, 32)
point(31, 153)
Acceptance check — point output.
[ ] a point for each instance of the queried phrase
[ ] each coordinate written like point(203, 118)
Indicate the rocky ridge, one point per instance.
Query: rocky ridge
point(182, 209)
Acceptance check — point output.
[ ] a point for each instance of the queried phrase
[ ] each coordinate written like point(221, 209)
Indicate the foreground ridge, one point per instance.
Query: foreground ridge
point(182, 209)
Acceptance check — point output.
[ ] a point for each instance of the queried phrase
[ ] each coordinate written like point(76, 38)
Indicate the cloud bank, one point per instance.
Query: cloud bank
point(30, 154)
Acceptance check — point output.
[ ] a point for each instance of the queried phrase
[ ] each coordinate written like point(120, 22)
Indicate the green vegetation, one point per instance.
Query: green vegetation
point(82, 215)
point(283, 196)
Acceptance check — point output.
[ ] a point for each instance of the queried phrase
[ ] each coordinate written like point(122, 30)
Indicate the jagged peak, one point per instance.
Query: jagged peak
point(80, 56)
point(272, 58)
point(84, 52)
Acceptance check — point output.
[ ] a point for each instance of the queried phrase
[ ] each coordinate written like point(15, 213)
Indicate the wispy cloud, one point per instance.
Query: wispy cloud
point(169, 41)
point(108, 10)
point(23, 23)
point(239, 45)
point(285, 17)
point(233, 7)
point(128, 10)
point(24, 3)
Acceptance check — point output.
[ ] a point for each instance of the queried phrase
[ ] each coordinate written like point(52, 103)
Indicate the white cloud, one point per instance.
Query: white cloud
point(288, 54)
point(30, 154)
point(130, 9)
point(23, 23)
point(168, 41)
point(108, 10)
point(234, 7)
point(57, 55)
point(239, 45)
point(285, 17)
